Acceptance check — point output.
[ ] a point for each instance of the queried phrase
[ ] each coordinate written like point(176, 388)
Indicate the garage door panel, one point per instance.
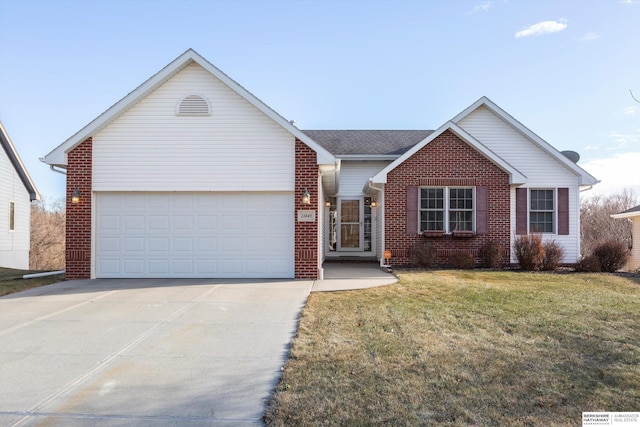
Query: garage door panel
point(207, 222)
point(231, 267)
point(158, 267)
point(134, 223)
point(109, 244)
point(208, 267)
point(182, 244)
point(194, 235)
point(207, 244)
point(110, 266)
point(134, 245)
point(133, 267)
point(182, 266)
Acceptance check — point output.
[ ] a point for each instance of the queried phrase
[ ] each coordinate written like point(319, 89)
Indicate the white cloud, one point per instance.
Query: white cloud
point(631, 111)
point(482, 7)
point(542, 28)
point(623, 140)
point(615, 173)
point(587, 37)
point(630, 1)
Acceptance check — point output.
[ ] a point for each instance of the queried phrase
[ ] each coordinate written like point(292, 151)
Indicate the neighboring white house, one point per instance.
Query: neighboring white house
point(633, 215)
point(17, 191)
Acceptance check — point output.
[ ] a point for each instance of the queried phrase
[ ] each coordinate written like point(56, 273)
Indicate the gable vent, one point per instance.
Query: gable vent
point(193, 105)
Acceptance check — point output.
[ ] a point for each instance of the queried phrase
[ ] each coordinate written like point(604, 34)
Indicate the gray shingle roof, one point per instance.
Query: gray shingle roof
point(634, 209)
point(367, 142)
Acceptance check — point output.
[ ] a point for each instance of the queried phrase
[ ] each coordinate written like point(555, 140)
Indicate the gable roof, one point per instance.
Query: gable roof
point(378, 143)
point(585, 177)
point(629, 213)
point(515, 176)
point(15, 160)
point(58, 157)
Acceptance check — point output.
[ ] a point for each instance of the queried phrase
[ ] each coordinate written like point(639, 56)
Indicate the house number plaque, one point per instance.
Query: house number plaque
point(306, 216)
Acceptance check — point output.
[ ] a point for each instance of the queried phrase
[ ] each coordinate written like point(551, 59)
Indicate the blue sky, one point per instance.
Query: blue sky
point(562, 68)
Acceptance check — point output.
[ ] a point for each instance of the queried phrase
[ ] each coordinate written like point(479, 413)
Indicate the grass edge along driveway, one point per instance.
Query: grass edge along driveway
point(465, 348)
point(11, 280)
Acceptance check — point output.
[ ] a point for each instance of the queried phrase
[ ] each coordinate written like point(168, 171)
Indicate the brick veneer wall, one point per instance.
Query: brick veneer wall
point(78, 227)
point(306, 233)
point(446, 161)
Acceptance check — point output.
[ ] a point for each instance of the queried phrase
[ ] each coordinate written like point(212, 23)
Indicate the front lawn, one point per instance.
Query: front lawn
point(11, 280)
point(465, 348)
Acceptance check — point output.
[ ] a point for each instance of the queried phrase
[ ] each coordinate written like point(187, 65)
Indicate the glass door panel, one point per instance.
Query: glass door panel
point(350, 224)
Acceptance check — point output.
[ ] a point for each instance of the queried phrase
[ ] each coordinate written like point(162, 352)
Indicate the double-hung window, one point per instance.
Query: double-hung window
point(541, 211)
point(446, 209)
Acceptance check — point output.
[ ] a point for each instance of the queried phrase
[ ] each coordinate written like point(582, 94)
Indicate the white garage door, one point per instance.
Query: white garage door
point(180, 235)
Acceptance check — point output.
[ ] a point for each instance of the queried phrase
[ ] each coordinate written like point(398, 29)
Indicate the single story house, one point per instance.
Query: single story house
point(17, 191)
point(190, 175)
point(633, 215)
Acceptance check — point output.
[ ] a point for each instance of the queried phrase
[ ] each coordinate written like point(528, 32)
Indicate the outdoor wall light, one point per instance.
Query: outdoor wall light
point(75, 197)
point(374, 203)
point(306, 197)
point(327, 202)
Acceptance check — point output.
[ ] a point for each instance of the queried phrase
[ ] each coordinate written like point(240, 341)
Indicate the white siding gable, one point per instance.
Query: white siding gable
point(540, 168)
point(355, 174)
point(501, 138)
point(14, 245)
point(152, 148)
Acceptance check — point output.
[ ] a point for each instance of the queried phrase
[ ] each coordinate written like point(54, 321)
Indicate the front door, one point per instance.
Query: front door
point(350, 229)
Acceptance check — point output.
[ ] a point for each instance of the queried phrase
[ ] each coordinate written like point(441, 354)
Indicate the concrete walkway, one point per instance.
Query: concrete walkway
point(352, 275)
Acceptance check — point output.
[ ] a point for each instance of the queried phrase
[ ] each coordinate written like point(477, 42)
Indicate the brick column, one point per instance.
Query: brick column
point(306, 233)
point(78, 228)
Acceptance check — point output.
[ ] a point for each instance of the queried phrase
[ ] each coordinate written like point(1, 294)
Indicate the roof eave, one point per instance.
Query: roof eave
point(19, 167)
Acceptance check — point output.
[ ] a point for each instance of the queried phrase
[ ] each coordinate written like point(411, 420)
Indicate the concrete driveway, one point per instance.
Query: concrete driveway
point(145, 352)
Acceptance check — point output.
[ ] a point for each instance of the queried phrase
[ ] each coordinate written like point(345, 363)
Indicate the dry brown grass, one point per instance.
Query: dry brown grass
point(11, 280)
point(465, 348)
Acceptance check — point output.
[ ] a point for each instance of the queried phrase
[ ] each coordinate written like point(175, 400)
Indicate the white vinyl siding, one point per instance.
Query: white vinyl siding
point(634, 259)
point(541, 170)
point(355, 174)
point(217, 235)
point(151, 148)
point(14, 244)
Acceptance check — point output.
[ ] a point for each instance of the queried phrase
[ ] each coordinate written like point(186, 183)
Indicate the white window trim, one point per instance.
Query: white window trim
point(554, 212)
point(446, 205)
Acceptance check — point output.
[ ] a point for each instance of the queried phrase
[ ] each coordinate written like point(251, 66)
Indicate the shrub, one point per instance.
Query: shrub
point(423, 254)
point(612, 255)
point(589, 264)
point(553, 255)
point(462, 260)
point(491, 255)
point(529, 251)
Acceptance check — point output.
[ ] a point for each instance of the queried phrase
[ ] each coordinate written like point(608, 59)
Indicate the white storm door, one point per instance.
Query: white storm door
point(350, 229)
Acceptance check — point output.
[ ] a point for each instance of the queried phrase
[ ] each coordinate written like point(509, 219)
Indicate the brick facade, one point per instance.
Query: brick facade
point(446, 161)
point(78, 227)
point(306, 233)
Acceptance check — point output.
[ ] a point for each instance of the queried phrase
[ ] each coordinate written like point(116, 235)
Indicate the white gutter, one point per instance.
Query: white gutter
point(46, 273)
